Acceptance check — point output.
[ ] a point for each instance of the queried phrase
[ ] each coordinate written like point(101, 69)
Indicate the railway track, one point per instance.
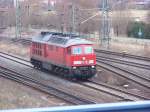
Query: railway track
point(144, 58)
point(105, 66)
point(114, 91)
point(136, 78)
point(26, 80)
point(92, 100)
point(108, 64)
point(120, 61)
point(15, 59)
point(120, 93)
point(23, 40)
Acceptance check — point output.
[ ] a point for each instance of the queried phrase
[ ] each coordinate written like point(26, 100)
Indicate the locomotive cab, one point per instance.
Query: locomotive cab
point(82, 61)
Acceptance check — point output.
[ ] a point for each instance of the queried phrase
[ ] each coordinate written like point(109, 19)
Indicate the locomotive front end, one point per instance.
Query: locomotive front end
point(83, 61)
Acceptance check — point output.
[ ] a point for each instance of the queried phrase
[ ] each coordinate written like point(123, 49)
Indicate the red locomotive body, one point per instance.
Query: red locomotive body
point(67, 54)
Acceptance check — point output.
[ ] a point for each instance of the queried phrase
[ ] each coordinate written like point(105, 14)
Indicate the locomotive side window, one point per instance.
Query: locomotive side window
point(69, 50)
point(77, 50)
point(35, 45)
point(88, 50)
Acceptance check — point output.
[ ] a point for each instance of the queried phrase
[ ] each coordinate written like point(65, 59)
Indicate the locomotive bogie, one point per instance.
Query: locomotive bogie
point(36, 63)
point(48, 66)
point(83, 72)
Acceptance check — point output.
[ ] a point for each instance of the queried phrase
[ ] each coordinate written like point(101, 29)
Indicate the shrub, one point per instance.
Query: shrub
point(135, 28)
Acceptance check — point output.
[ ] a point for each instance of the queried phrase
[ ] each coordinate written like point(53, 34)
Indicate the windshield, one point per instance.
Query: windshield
point(77, 50)
point(88, 50)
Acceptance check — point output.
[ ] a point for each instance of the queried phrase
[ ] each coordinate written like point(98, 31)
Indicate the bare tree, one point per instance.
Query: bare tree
point(148, 17)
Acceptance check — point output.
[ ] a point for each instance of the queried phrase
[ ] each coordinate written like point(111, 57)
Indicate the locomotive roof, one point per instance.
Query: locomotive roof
point(59, 39)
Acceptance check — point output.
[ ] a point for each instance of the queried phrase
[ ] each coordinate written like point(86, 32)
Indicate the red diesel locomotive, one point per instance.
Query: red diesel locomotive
point(65, 54)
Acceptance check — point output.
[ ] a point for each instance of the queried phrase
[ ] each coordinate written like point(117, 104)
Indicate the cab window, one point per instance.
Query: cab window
point(77, 50)
point(88, 50)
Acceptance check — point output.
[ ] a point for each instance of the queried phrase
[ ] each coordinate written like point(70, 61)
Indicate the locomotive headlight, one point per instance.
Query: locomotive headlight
point(74, 67)
point(91, 61)
point(93, 66)
point(83, 58)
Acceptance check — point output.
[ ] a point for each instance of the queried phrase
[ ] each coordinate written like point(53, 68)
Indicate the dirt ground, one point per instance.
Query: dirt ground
point(141, 50)
point(14, 48)
point(14, 95)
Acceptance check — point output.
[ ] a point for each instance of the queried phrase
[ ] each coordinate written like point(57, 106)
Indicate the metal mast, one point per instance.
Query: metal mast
point(105, 30)
point(18, 20)
point(73, 18)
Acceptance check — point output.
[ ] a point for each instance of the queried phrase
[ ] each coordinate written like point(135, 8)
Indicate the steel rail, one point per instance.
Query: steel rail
point(25, 79)
point(23, 40)
point(123, 54)
point(130, 94)
point(134, 64)
point(11, 55)
point(103, 89)
point(114, 91)
point(145, 82)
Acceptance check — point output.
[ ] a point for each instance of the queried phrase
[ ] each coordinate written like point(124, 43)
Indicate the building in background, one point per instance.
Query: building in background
point(6, 3)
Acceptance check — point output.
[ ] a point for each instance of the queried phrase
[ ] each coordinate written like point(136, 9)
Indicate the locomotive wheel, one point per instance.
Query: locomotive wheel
point(40, 65)
point(65, 73)
point(36, 64)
